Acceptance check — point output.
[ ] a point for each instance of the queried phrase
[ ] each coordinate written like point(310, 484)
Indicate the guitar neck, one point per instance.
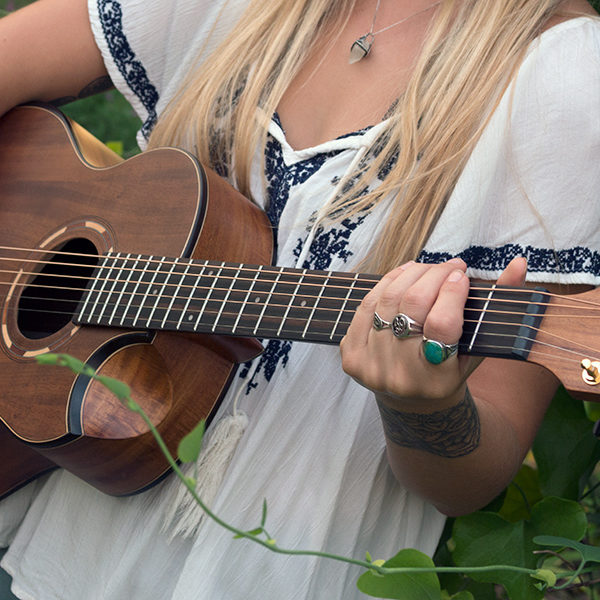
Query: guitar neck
point(157, 293)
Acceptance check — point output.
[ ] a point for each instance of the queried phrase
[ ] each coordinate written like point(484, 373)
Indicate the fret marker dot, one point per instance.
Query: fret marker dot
point(257, 299)
point(155, 291)
point(303, 303)
point(190, 317)
point(210, 273)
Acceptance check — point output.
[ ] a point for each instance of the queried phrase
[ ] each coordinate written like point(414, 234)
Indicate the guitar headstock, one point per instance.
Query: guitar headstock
point(568, 342)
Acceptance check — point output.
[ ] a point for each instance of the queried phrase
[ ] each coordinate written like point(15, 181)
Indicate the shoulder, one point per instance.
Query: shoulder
point(564, 60)
point(148, 46)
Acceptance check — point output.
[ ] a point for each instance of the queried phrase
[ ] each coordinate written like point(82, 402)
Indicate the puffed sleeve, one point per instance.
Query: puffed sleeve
point(532, 185)
point(148, 46)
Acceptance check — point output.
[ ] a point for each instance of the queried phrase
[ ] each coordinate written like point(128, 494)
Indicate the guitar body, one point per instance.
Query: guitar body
point(162, 203)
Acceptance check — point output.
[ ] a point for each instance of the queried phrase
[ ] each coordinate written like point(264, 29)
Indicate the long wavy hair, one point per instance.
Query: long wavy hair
point(472, 49)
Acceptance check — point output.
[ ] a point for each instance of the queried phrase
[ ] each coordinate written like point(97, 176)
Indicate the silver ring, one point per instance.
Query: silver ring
point(379, 323)
point(403, 326)
point(437, 352)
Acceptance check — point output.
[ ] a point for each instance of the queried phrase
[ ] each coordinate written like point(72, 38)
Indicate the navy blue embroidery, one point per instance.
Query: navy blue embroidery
point(329, 244)
point(280, 179)
point(134, 73)
point(539, 260)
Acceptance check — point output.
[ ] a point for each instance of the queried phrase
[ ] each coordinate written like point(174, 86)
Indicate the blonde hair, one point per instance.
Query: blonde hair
point(472, 50)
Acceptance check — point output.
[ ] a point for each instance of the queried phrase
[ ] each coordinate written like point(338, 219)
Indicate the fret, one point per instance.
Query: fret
point(289, 306)
point(105, 282)
point(95, 279)
point(328, 314)
point(481, 317)
point(149, 285)
point(175, 296)
point(501, 321)
point(266, 303)
point(123, 271)
point(224, 302)
point(160, 292)
point(110, 278)
point(191, 295)
point(350, 290)
point(210, 291)
point(282, 303)
point(135, 288)
point(316, 304)
point(247, 297)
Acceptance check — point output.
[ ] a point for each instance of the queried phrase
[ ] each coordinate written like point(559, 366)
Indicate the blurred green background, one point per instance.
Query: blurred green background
point(108, 115)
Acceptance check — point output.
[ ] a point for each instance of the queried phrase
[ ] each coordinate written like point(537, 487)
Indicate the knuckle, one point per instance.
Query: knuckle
point(389, 298)
point(444, 327)
point(369, 302)
point(415, 297)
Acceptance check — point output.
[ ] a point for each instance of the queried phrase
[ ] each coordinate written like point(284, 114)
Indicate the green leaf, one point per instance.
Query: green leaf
point(565, 448)
point(47, 359)
point(253, 532)
point(116, 146)
point(403, 586)
point(485, 539)
point(521, 495)
point(592, 410)
point(559, 517)
point(120, 389)
point(588, 553)
point(464, 595)
point(263, 518)
point(191, 444)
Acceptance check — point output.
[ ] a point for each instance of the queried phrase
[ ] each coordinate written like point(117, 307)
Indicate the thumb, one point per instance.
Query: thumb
point(515, 272)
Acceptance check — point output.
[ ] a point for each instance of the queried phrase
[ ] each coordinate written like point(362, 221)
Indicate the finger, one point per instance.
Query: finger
point(389, 299)
point(420, 297)
point(515, 272)
point(362, 322)
point(444, 322)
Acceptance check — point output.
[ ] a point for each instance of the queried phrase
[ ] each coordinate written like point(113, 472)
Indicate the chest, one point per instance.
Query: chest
point(330, 97)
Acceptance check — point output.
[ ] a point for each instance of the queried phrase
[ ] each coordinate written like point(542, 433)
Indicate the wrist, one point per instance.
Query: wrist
point(448, 431)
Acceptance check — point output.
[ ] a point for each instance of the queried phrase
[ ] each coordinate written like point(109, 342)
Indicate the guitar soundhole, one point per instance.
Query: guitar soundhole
point(50, 299)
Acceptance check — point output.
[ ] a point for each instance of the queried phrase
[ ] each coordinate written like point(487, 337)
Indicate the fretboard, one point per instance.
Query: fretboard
point(157, 293)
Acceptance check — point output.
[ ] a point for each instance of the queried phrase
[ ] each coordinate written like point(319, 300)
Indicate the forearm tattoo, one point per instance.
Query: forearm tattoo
point(451, 433)
point(102, 84)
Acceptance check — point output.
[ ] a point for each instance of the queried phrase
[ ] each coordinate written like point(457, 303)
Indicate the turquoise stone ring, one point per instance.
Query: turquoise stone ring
point(437, 352)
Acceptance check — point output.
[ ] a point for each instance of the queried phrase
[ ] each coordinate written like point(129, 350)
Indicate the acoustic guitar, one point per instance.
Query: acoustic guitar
point(157, 272)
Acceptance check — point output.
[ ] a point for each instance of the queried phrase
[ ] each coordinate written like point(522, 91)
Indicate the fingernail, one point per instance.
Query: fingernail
point(455, 276)
point(455, 260)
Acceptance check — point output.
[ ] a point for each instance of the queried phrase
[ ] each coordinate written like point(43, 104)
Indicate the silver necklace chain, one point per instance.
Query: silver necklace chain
point(362, 45)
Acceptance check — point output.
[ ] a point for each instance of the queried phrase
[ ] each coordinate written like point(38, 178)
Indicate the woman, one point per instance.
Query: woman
point(472, 123)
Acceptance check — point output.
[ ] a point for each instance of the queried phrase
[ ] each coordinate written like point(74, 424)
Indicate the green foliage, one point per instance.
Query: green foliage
point(190, 445)
point(403, 586)
point(486, 538)
point(565, 450)
point(110, 118)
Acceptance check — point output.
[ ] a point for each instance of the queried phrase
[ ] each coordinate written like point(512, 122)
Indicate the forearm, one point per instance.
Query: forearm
point(459, 456)
point(48, 52)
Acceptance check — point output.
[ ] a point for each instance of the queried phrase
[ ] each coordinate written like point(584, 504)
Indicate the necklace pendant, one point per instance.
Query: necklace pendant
point(361, 48)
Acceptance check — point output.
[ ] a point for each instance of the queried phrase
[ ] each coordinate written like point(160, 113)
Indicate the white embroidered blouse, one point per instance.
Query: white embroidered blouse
point(313, 446)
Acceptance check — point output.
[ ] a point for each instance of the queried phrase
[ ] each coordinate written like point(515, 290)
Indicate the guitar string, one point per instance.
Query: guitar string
point(326, 275)
point(221, 277)
point(345, 320)
point(350, 303)
point(481, 346)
